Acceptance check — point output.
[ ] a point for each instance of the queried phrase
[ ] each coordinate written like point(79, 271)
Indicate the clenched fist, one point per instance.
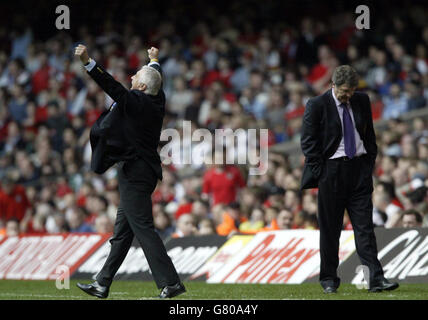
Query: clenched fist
point(82, 53)
point(153, 53)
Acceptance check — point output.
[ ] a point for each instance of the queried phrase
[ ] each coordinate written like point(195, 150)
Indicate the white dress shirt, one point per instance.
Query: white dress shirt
point(340, 152)
point(90, 65)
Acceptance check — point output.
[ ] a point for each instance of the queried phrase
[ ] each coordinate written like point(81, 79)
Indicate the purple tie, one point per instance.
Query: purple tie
point(348, 132)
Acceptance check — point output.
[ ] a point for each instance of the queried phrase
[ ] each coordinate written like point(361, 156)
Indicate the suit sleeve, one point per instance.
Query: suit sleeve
point(370, 135)
point(109, 85)
point(156, 65)
point(310, 141)
point(127, 99)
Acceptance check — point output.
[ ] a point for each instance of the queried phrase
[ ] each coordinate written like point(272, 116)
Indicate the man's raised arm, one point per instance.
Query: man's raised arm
point(110, 86)
point(154, 60)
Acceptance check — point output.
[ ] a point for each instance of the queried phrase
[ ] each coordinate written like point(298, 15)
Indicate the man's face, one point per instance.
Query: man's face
point(103, 225)
point(234, 213)
point(186, 224)
point(134, 80)
point(75, 220)
point(409, 221)
point(285, 219)
point(12, 229)
point(343, 92)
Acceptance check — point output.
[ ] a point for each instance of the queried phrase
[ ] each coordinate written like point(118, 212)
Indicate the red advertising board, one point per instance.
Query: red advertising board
point(38, 257)
point(289, 256)
point(188, 254)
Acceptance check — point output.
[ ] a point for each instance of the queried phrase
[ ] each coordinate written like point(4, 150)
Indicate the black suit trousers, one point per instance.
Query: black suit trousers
point(346, 185)
point(137, 181)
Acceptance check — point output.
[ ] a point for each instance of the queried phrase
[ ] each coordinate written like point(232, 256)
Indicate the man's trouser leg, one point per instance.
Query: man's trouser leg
point(331, 207)
point(120, 244)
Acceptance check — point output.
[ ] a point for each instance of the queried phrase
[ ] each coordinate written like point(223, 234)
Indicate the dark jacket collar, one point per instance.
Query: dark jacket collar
point(331, 105)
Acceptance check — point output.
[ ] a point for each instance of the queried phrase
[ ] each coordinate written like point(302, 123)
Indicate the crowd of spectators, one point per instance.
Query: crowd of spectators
point(218, 73)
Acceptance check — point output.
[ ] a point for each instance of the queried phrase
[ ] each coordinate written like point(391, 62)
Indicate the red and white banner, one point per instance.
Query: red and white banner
point(188, 254)
point(38, 257)
point(289, 256)
point(222, 256)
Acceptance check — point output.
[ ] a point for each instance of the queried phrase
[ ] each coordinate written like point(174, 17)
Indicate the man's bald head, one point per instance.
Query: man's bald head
point(148, 80)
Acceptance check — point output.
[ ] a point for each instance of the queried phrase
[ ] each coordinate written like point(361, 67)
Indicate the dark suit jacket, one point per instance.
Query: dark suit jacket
point(131, 129)
point(322, 132)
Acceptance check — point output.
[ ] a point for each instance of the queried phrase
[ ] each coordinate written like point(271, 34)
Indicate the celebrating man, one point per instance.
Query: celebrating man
point(128, 133)
point(339, 143)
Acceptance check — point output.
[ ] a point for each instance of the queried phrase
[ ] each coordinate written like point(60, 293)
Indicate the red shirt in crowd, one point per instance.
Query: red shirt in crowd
point(40, 80)
point(91, 116)
point(162, 196)
point(215, 75)
point(183, 209)
point(377, 109)
point(3, 130)
point(63, 189)
point(223, 184)
point(13, 205)
point(316, 73)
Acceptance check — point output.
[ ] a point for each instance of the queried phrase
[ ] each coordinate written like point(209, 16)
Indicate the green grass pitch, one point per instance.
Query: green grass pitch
point(136, 290)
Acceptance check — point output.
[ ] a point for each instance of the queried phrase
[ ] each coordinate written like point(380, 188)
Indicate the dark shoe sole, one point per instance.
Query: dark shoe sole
point(174, 294)
point(91, 293)
point(379, 289)
point(393, 287)
point(330, 292)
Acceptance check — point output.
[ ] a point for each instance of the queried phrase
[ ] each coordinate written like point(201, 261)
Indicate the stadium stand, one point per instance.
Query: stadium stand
point(250, 65)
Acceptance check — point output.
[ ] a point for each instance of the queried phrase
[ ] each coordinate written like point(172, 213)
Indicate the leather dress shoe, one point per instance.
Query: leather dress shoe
point(94, 289)
point(383, 285)
point(330, 290)
point(172, 291)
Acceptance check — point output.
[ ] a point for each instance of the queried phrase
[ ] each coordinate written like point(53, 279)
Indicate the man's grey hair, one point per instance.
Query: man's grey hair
point(152, 79)
point(345, 74)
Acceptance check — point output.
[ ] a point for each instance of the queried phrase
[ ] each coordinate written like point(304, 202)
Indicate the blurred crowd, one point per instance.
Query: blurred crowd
point(218, 73)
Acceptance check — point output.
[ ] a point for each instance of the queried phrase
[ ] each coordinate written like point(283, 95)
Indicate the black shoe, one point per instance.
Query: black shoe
point(383, 285)
point(94, 289)
point(172, 291)
point(330, 290)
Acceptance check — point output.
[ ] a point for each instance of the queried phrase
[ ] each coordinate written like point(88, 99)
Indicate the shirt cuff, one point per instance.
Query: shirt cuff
point(90, 65)
point(153, 62)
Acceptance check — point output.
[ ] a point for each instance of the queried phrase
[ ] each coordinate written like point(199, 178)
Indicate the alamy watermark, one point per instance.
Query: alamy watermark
point(63, 20)
point(362, 279)
point(63, 279)
point(363, 20)
point(187, 146)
